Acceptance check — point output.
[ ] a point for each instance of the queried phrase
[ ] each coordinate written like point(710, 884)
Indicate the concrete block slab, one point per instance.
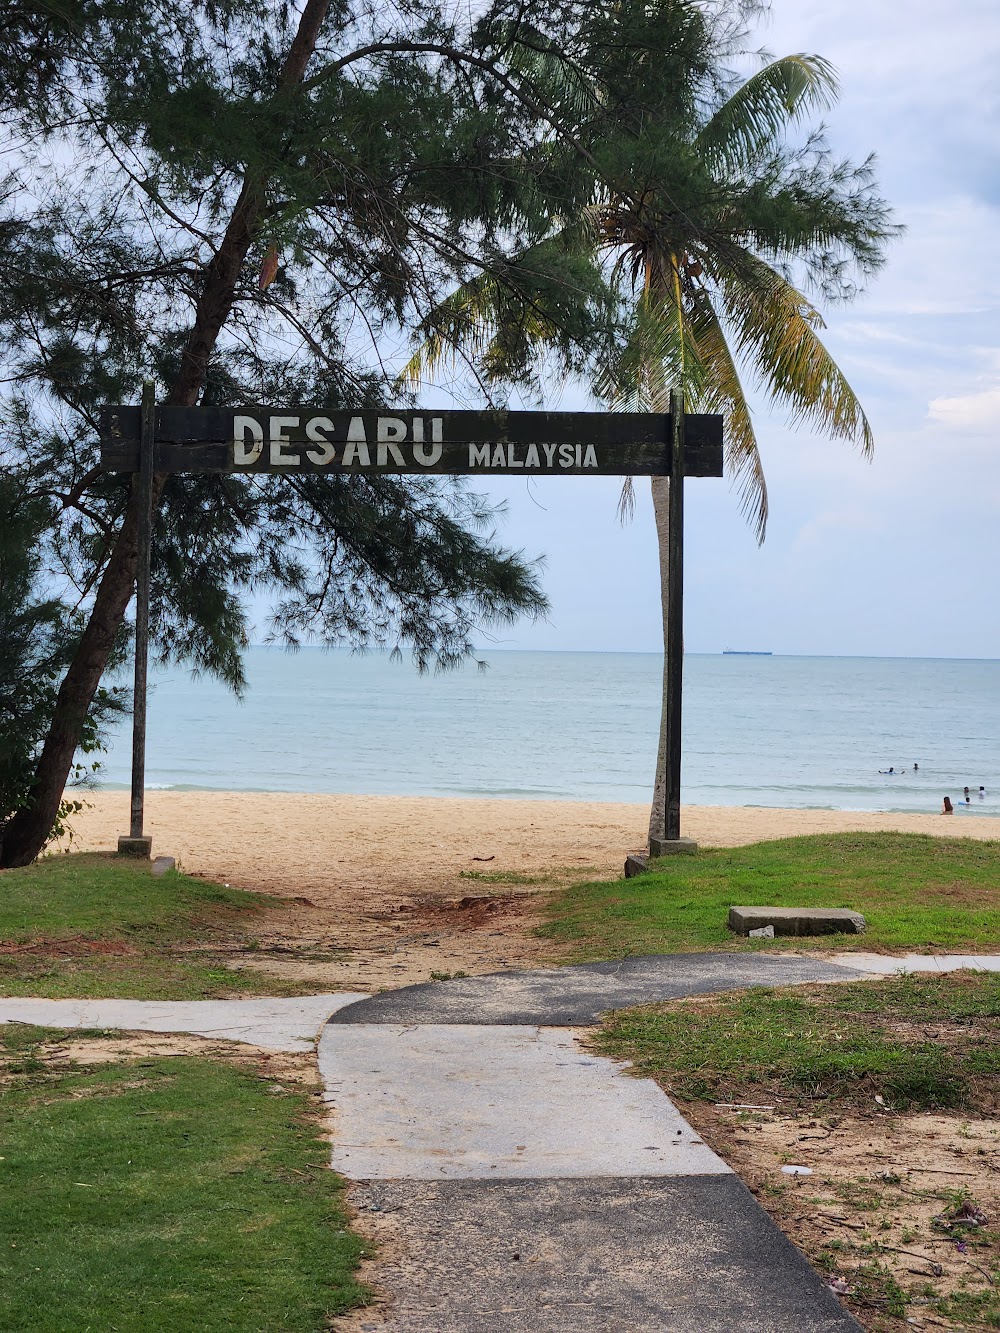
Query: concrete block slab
point(695, 1255)
point(138, 847)
point(164, 863)
point(796, 920)
point(672, 847)
point(495, 1102)
point(277, 1024)
point(578, 996)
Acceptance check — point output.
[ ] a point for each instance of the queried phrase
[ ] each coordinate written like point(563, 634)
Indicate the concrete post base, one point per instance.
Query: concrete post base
point(138, 847)
point(672, 846)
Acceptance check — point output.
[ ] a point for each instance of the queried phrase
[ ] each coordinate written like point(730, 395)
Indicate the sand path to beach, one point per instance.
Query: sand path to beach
point(384, 890)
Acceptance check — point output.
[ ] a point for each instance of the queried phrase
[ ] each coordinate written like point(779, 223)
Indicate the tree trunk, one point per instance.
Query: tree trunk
point(26, 833)
point(661, 513)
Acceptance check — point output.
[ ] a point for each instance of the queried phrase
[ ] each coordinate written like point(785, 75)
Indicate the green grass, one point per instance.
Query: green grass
point(170, 1194)
point(144, 976)
point(88, 925)
point(918, 1042)
point(105, 897)
point(917, 893)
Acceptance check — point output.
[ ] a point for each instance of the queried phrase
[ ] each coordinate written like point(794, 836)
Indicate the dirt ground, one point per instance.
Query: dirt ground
point(878, 1213)
point(87, 1050)
point(386, 891)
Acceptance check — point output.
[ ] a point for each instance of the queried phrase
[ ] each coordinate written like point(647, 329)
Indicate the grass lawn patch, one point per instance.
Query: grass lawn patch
point(916, 892)
point(89, 925)
point(183, 1193)
point(888, 1091)
point(920, 1043)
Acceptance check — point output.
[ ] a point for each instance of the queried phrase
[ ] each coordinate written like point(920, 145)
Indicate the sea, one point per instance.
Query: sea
point(782, 731)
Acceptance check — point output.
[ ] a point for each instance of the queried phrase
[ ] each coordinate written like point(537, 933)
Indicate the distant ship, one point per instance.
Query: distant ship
point(745, 652)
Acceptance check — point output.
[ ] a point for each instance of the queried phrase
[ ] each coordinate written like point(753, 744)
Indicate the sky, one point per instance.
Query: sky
point(898, 557)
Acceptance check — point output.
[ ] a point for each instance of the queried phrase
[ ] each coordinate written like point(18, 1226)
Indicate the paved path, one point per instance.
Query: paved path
point(528, 1185)
point(577, 996)
point(520, 1184)
point(884, 965)
point(276, 1024)
point(491, 1103)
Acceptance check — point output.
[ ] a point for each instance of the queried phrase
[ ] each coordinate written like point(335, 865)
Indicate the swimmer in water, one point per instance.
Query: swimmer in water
point(947, 808)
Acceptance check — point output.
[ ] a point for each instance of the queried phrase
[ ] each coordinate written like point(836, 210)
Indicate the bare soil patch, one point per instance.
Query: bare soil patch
point(373, 885)
point(87, 1050)
point(878, 1213)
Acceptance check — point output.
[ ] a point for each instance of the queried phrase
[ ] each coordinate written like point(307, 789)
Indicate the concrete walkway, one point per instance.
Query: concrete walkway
point(520, 1184)
point(885, 965)
point(529, 1186)
point(276, 1024)
point(491, 1103)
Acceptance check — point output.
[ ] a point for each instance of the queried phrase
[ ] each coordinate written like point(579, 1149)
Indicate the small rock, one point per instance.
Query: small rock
point(765, 933)
point(164, 863)
point(636, 863)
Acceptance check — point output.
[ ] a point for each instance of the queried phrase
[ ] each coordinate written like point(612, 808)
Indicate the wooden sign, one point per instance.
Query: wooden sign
point(308, 439)
point(150, 439)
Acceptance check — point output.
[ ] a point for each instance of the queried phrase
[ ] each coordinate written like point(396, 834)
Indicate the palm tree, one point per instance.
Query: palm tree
point(720, 269)
point(712, 228)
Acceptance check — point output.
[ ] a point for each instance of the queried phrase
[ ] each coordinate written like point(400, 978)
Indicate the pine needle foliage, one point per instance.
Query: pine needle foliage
point(252, 201)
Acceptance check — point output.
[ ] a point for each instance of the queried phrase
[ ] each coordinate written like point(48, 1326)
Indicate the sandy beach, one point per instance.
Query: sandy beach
point(297, 844)
point(389, 888)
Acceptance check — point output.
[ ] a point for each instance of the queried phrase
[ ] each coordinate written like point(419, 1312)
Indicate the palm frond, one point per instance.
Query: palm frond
point(625, 509)
point(536, 58)
point(659, 353)
point(775, 334)
point(756, 116)
point(464, 321)
point(723, 392)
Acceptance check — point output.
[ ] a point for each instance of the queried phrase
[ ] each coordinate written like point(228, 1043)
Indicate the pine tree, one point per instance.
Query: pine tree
point(249, 201)
point(37, 632)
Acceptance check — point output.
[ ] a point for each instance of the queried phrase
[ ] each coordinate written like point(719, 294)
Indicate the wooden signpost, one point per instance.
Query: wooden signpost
point(287, 440)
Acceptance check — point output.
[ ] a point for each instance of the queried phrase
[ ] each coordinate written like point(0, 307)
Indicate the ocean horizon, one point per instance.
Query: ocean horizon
point(778, 731)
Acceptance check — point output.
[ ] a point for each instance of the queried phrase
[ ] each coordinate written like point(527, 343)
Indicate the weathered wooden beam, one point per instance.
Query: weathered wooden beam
point(674, 643)
point(297, 440)
point(137, 844)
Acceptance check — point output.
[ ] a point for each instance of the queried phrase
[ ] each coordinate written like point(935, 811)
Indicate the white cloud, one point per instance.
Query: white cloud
point(974, 412)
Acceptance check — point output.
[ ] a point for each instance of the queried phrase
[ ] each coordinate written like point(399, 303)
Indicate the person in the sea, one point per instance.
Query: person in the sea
point(982, 792)
point(965, 792)
point(916, 768)
point(886, 771)
point(947, 809)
